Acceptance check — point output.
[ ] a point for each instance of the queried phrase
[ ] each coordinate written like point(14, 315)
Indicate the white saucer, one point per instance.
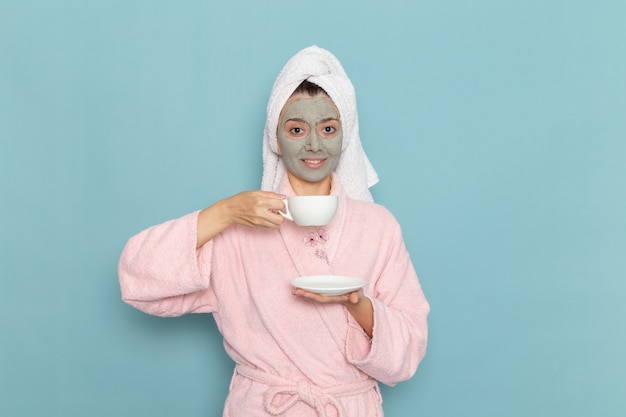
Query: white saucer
point(328, 284)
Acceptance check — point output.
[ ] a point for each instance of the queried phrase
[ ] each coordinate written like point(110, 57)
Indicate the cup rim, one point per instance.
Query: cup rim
point(314, 196)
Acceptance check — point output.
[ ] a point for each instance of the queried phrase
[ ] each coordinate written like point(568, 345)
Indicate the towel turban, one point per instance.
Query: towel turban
point(322, 68)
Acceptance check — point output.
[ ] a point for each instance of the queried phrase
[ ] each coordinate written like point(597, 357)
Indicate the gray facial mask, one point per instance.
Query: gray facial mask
point(310, 138)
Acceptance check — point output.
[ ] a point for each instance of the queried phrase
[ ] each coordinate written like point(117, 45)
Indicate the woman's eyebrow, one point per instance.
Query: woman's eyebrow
point(328, 119)
point(297, 119)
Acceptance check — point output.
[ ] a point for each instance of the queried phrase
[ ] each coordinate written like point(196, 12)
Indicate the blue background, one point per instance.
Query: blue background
point(498, 129)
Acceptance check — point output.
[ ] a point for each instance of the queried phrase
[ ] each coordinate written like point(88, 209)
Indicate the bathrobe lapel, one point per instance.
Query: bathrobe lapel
point(313, 248)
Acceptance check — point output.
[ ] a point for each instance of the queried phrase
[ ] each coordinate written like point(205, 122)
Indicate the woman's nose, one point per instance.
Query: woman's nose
point(313, 142)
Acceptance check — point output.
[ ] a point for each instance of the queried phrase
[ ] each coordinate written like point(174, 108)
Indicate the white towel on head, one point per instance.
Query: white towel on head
point(319, 67)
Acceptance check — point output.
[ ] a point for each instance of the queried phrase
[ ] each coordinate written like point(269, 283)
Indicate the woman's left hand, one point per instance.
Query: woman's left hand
point(358, 305)
point(349, 298)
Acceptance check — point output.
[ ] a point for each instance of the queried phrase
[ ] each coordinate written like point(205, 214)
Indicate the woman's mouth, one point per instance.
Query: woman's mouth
point(313, 163)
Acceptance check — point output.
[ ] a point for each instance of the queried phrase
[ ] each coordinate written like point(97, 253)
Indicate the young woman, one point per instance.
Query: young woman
point(297, 353)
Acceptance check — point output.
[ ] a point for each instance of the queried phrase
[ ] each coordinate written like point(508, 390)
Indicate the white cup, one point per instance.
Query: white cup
point(311, 210)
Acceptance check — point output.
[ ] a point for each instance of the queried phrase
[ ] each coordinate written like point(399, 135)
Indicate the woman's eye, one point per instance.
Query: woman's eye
point(296, 130)
point(329, 129)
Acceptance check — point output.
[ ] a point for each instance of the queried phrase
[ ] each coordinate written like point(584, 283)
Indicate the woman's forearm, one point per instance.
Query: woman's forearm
point(363, 313)
point(211, 221)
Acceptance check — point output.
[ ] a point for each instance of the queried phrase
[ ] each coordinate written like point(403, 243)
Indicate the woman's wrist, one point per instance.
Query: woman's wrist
point(363, 312)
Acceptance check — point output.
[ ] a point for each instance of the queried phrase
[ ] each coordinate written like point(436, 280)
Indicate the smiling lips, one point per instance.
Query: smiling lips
point(313, 163)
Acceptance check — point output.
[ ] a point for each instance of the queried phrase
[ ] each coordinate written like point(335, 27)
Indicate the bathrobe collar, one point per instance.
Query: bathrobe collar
point(312, 248)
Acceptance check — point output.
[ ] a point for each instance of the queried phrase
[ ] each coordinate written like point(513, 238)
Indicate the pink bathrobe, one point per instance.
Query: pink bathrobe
point(295, 358)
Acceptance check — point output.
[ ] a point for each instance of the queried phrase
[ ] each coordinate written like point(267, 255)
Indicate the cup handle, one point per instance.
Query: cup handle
point(286, 214)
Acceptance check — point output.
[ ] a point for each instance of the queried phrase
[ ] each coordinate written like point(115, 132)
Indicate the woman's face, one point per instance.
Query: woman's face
point(309, 137)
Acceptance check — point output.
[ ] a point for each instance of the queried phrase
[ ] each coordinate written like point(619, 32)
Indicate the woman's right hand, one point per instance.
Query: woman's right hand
point(248, 208)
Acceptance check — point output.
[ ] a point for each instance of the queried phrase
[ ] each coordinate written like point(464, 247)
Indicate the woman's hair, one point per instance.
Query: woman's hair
point(309, 89)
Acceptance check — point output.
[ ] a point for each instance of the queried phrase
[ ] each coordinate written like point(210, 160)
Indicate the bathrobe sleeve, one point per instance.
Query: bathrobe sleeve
point(400, 330)
point(162, 273)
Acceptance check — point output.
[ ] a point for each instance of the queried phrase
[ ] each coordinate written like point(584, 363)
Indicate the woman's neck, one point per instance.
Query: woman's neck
point(301, 187)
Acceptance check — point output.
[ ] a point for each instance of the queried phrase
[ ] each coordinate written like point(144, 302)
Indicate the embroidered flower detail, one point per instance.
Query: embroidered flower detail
point(319, 237)
point(323, 236)
point(311, 239)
